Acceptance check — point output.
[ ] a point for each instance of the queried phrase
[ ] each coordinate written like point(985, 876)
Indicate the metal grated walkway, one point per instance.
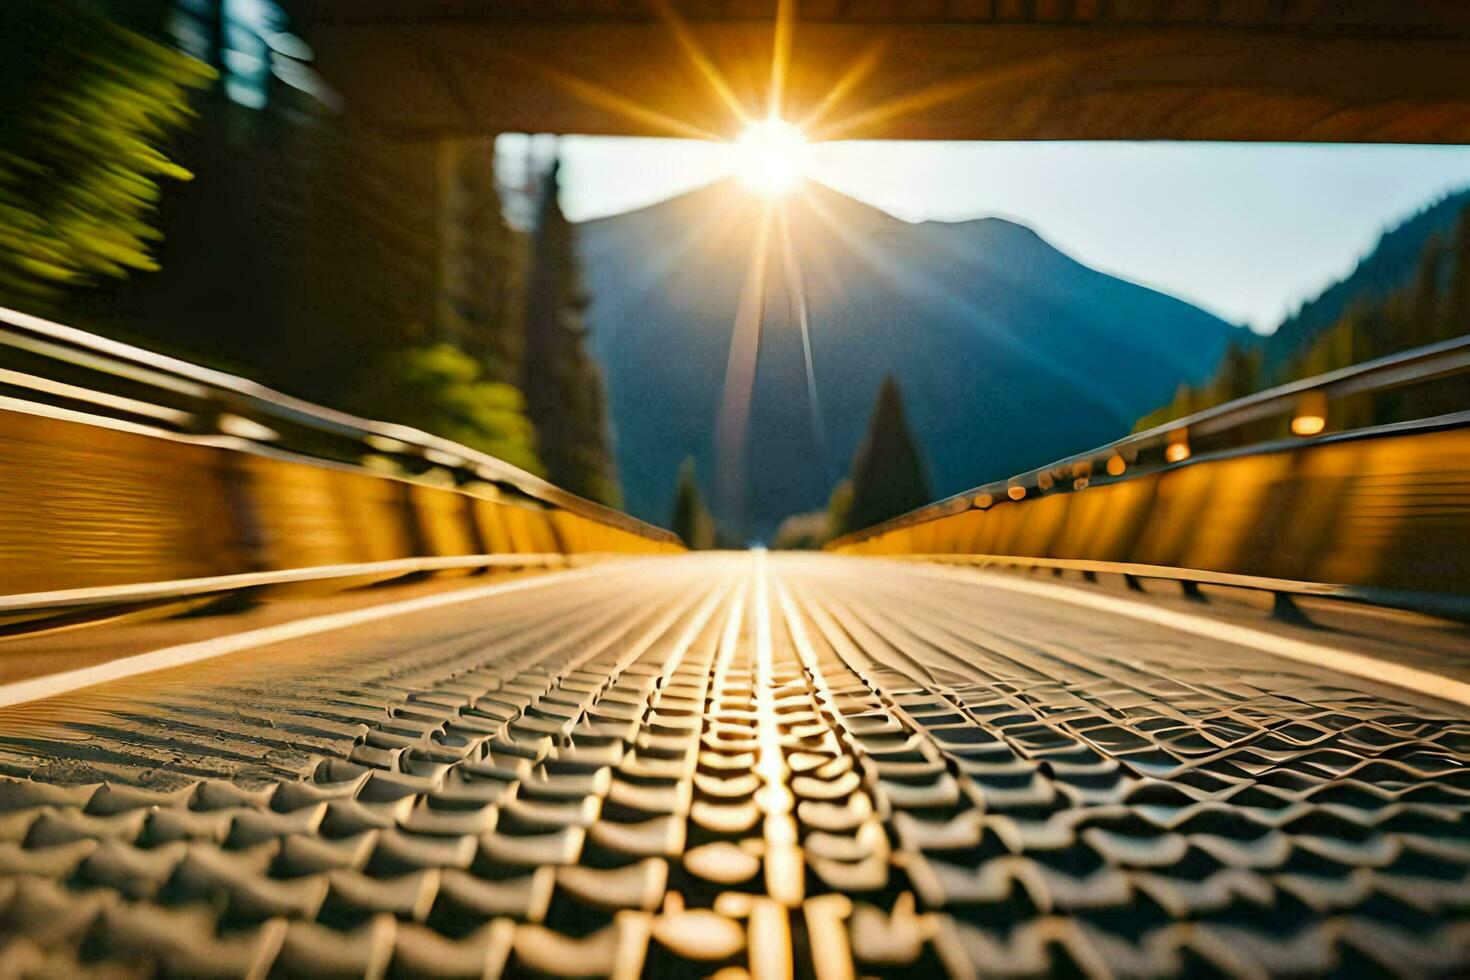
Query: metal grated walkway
point(775, 765)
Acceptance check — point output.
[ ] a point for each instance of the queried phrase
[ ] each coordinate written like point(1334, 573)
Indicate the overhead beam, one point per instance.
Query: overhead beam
point(903, 80)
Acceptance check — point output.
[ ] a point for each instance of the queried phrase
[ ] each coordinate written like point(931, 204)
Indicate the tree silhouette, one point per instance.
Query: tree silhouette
point(690, 520)
point(85, 107)
point(1431, 306)
point(481, 303)
point(887, 474)
point(562, 384)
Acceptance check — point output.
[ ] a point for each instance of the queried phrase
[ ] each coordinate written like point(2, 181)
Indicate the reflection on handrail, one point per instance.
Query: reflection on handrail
point(175, 395)
point(1304, 489)
point(1306, 402)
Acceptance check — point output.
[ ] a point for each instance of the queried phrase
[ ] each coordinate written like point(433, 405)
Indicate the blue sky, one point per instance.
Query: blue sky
point(1247, 231)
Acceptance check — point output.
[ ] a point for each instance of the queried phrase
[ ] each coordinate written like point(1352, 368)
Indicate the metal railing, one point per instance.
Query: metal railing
point(1308, 403)
point(125, 383)
point(1304, 489)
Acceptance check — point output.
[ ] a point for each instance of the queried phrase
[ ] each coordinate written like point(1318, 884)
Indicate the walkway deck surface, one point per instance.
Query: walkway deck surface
point(783, 765)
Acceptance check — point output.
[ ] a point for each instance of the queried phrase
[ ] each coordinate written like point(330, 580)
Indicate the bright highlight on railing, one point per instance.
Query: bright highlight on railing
point(1178, 449)
point(1303, 409)
point(133, 386)
point(1311, 414)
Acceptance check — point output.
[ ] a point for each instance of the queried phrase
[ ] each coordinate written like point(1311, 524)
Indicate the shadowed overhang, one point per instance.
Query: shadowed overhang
point(1291, 70)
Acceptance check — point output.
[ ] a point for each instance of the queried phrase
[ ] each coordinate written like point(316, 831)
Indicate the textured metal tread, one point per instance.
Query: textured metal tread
point(744, 764)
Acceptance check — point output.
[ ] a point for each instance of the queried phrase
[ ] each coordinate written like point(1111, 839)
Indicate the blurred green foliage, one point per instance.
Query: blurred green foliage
point(1433, 306)
point(811, 530)
point(85, 108)
point(314, 253)
point(1238, 375)
point(443, 391)
point(839, 505)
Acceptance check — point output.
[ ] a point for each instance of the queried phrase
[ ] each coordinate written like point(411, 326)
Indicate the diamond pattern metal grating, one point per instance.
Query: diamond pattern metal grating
point(820, 767)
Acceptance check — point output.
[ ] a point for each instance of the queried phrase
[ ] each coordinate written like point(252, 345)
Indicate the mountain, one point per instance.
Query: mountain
point(1008, 353)
point(1390, 265)
point(1413, 289)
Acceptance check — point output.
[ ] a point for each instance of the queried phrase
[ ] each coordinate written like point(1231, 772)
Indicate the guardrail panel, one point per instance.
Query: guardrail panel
point(1404, 514)
point(319, 515)
point(83, 505)
point(1387, 512)
point(444, 520)
point(171, 398)
point(491, 522)
point(1104, 523)
point(1354, 483)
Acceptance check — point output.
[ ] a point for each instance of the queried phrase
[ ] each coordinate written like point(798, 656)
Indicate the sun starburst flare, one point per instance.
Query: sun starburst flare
point(772, 156)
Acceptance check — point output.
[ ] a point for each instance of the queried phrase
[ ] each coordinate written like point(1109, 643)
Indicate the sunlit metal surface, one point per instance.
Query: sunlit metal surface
point(198, 475)
point(781, 766)
point(222, 404)
point(1378, 513)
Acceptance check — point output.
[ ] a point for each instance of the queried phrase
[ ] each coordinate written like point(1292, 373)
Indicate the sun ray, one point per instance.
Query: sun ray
point(732, 425)
point(781, 56)
point(862, 66)
point(702, 230)
point(796, 287)
point(598, 95)
point(777, 151)
point(686, 40)
point(907, 278)
point(851, 126)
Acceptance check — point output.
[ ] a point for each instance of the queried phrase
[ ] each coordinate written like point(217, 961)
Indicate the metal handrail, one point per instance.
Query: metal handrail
point(221, 400)
point(1454, 606)
point(1422, 364)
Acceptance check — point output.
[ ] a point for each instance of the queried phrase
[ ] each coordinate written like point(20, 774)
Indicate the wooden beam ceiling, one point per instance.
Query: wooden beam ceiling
point(1274, 70)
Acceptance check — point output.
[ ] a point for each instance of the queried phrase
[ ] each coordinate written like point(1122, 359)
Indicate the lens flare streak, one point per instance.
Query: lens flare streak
point(796, 288)
point(701, 62)
point(735, 401)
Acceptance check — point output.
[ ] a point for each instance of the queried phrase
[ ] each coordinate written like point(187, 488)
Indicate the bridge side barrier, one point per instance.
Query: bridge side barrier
point(134, 468)
point(1375, 512)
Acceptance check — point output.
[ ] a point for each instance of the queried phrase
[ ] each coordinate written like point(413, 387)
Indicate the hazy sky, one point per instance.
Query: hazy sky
point(1245, 230)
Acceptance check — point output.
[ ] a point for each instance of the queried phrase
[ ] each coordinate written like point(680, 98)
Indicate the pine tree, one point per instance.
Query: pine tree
point(562, 384)
point(1424, 310)
point(482, 298)
point(1433, 306)
point(887, 474)
point(1239, 373)
point(85, 107)
point(690, 520)
point(1457, 306)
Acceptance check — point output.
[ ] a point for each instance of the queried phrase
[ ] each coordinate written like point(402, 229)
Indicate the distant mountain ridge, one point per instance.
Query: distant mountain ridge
point(1391, 263)
point(1008, 352)
point(1410, 290)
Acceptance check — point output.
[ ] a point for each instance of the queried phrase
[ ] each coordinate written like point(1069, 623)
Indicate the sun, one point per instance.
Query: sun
point(772, 156)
